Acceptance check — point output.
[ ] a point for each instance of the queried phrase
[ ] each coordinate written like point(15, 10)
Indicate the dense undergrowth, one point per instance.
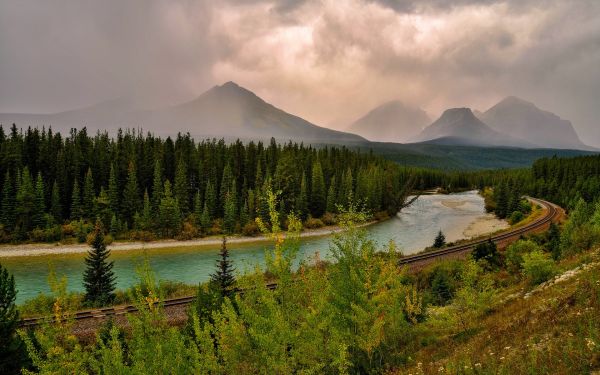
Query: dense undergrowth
point(360, 314)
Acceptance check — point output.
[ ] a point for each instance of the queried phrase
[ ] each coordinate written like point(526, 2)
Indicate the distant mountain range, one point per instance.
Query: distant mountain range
point(233, 112)
point(459, 126)
point(228, 111)
point(513, 122)
point(391, 122)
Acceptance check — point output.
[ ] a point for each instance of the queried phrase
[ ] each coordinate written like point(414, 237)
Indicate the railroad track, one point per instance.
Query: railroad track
point(552, 213)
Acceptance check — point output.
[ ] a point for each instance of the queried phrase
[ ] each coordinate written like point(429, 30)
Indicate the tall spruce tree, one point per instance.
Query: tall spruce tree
point(55, 203)
point(168, 212)
point(113, 190)
point(76, 209)
point(157, 185)
point(182, 187)
point(210, 199)
point(40, 203)
point(331, 197)
point(302, 201)
point(131, 195)
point(230, 212)
point(98, 278)
point(318, 195)
point(26, 209)
point(197, 207)
point(88, 195)
point(7, 215)
point(224, 277)
point(11, 353)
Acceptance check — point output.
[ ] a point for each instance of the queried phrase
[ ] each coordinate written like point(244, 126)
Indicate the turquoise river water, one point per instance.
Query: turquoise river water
point(413, 229)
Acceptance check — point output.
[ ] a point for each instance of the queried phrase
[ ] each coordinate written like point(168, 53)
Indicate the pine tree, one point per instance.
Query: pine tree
point(331, 197)
point(205, 219)
point(554, 241)
point(345, 193)
point(210, 199)
point(113, 190)
point(440, 240)
point(302, 201)
point(168, 212)
point(10, 344)
point(502, 201)
point(39, 203)
point(226, 182)
point(197, 207)
point(224, 277)
point(76, 210)
point(98, 278)
point(102, 206)
point(144, 220)
point(88, 195)
point(318, 193)
point(26, 201)
point(7, 216)
point(230, 209)
point(157, 186)
point(131, 195)
point(55, 203)
point(114, 225)
point(244, 213)
point(441, 287)
point(182, 187)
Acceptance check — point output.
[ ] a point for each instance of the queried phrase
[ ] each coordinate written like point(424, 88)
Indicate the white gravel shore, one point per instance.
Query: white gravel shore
point(27, 250)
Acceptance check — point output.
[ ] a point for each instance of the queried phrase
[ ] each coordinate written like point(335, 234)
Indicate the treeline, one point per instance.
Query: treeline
point(142, 187)
point(564, 181)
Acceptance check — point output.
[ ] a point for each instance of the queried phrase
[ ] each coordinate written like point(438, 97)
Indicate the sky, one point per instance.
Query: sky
point(327, 61)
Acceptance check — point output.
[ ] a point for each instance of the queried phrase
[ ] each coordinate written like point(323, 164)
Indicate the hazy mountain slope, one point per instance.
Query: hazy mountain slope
point(459, 126)
point(228, 111)
point(464, 157)
point(391, 122)
point(524, 120)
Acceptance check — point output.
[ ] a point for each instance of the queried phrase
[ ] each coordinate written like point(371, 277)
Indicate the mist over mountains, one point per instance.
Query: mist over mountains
point(233, 112)
point(522, 119)
point(393, 121)
point(227, 111)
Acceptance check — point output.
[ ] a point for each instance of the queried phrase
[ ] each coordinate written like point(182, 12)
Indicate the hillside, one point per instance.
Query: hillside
point(459, 126)
point(549, 329)
point(459, 157)
point(391, 122)
point(228, 111)
point(525, 121)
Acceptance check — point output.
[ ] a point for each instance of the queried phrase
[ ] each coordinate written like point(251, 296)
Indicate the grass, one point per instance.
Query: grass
point(554, 331)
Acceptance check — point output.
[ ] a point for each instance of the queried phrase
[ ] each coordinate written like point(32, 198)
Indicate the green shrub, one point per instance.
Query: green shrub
point(538, 267)
point(516, 217)
point(513, 256)
point(250, 229)
point(329, 219)
point(313, 223)
point(141, 235)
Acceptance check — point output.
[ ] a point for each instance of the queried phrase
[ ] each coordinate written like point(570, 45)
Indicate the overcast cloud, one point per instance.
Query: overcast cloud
point(326, 61)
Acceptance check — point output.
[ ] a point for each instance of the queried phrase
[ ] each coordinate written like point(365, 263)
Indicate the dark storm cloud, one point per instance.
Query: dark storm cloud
point(329, 61)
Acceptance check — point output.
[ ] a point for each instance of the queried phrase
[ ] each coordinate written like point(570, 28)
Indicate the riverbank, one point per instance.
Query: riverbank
point(28, 250)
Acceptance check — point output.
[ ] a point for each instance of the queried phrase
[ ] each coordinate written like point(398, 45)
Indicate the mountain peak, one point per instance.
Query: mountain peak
point(459, 114)
point(524, 120)
point(516, 101)
point(460, 126)
point(391, 121)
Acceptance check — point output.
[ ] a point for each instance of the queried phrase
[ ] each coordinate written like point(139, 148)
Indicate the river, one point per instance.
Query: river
point(413, 229)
